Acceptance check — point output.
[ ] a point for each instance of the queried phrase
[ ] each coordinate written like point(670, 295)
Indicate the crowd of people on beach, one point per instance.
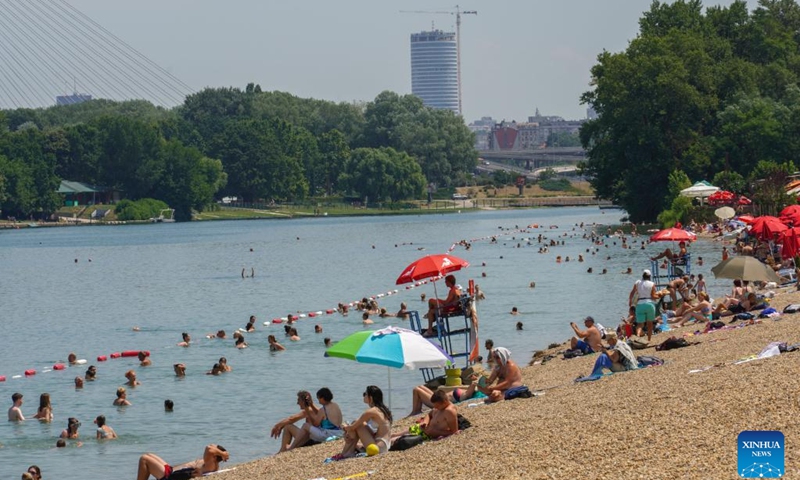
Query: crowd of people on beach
point(682, 300)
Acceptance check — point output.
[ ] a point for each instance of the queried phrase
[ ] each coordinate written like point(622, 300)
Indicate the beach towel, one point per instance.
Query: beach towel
point(649, 361)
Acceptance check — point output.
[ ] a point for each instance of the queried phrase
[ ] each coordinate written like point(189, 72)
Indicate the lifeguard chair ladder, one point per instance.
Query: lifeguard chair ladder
point(451, 334)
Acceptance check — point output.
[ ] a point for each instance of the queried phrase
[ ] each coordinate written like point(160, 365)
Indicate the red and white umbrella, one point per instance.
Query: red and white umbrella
point(431, 266)
point(673, 235)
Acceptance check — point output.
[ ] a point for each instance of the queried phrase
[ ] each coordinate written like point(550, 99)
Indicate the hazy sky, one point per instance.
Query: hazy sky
point(516, 54)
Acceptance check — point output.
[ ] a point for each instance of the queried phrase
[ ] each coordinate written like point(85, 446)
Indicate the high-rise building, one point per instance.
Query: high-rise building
point(434, 69)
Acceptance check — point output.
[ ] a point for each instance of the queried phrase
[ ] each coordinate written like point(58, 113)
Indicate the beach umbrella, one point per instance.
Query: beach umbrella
point(699, 190)
point(791, 214)
point(767, 227)
point(790, 242)
point(744, 200)
point(724, 212)
point(748, 219)
point(431, 266)
point(747, 268)
point(673, 235)
point(721, 197)
point(392, 347)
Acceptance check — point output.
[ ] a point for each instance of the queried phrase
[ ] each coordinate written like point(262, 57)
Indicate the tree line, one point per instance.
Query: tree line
point(247, 143)
point(697, 95)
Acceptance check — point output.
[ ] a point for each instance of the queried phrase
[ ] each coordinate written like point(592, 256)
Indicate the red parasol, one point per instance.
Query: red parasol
point(791, 242)
point(721, 197)
point(431, 266)
point(673, 235)
point(744, 200)
point(766, 227)
point(791, 214)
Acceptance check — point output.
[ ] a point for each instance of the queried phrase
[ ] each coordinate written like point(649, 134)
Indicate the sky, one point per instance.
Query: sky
point(516, 55)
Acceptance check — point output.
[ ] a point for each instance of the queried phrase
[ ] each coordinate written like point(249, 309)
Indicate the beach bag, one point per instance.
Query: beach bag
point(716, 325)
point(648, 361)
point(573, 353)
point(463, 423)
point(673, 342)
point(743, 316)
point(405, 442)
point(518, 392)
point(638, 344)
point(793, 308)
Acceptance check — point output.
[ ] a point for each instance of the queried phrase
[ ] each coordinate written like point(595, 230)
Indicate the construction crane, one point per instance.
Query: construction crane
point(457, 12)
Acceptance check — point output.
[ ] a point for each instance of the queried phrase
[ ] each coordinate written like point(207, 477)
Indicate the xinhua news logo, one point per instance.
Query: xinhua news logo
point(761, 454)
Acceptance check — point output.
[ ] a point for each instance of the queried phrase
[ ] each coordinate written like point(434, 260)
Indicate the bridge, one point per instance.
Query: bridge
point(532, 159)
point(490, 167)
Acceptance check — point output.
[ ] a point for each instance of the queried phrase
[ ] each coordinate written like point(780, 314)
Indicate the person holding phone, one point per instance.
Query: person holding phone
point(291, 435)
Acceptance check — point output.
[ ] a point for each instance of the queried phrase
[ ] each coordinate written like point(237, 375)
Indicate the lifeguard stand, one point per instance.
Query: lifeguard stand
point(453, 333)
point(662, 276)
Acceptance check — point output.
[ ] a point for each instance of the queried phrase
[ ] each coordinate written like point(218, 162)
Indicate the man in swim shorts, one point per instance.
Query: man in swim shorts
point(152, 464)
point(587, 341)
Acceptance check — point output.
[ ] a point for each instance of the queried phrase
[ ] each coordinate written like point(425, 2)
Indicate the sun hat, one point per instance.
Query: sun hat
point(647, 272)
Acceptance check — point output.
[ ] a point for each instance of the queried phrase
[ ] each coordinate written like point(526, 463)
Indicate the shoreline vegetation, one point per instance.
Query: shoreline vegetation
point(657, 422)
point(307, 211)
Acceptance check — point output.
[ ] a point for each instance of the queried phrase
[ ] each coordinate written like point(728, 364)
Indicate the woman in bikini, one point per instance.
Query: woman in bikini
point(72, 428)
point(328, 421)
point(274, 346)
point(104, 432)
point(700, 312)
point(374, 426)
point(45, 412)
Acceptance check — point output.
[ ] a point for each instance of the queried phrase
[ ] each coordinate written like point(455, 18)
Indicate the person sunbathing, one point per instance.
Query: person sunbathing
point(509, 376)
point(422, 395)
point(700, 312)
point(441, 421)
point(152, 464)
point(618, 358)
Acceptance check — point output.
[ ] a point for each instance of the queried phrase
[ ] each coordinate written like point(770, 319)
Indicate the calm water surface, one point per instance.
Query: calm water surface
point(168, 279)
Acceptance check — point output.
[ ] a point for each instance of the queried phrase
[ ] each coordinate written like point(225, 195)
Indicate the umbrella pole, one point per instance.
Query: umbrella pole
point(389, 372)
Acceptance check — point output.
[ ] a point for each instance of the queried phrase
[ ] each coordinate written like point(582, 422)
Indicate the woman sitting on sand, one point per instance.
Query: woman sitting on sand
point(700, 312)
point(374, 426)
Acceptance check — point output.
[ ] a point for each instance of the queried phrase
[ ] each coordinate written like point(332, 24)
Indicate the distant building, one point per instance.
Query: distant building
point(73, 99)
point(434, 69)
point(482, 129)
point(529, 135)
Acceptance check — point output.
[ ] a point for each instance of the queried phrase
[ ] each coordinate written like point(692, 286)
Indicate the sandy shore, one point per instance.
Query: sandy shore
point(660, 422)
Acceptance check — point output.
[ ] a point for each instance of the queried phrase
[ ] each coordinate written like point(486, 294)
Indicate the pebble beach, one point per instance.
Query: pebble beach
point(653, 423)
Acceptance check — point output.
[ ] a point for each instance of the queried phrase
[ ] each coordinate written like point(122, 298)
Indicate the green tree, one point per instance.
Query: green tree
point(380, 174)
point(676, 182)
point(334, 154)
point(730, 181)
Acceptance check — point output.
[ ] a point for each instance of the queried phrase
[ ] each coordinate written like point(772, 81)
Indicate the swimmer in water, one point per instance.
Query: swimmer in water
point(122, 398)
point(131, 376)
point(274, 346)
point(293, 336)
point(180, 369)
point(72, 358)
point(240, 343)
point(223, 365)
point(514, 311)
point(519, 325)
point(187, 340)
point(365, 320)
point(144, 360)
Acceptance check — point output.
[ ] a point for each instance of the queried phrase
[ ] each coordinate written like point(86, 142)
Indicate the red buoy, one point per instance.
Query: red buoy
point(59, 366)
point(102, 358)
point(30, 372)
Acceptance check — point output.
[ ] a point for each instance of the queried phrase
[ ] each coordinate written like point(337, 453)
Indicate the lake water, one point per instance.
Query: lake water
point(186, 277)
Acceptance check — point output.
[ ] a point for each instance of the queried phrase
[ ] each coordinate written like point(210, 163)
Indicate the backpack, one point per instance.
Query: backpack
point(647, 361)
point(673, 342)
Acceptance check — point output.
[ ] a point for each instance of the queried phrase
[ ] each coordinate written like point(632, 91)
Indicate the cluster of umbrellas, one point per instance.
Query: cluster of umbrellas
point(398, 347)
point(743, 267)
point(714, 195)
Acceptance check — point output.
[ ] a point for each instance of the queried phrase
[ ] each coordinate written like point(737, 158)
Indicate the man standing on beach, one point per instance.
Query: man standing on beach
point(14, 413)
point(587, 341)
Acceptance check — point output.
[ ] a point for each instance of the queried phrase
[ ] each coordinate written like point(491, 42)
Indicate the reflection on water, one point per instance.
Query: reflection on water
point(173, 278)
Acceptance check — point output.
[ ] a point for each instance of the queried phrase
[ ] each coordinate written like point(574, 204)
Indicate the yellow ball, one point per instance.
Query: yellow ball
point(372, 449)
